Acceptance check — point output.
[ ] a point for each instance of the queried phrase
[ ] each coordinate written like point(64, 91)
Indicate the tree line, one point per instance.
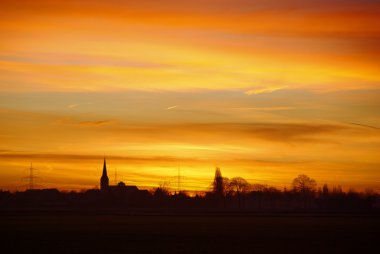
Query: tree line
point(303, 195)
point(235, 194)
point(237, 185)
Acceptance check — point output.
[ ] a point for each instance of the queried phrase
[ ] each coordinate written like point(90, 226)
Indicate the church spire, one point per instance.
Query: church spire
point(104, 181)
point(104, 168)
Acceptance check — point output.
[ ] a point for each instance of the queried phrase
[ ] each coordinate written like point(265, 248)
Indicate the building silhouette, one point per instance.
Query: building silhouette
point(104, 180)
point(120, 189)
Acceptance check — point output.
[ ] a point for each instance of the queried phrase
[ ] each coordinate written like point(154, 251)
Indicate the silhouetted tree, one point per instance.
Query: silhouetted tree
point(162, 192)
point(228, 191)
point(239, 185)
point(218, 184)
point(304, 184)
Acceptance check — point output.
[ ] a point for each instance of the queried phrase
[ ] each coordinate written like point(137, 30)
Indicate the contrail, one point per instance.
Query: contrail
point(172, 107)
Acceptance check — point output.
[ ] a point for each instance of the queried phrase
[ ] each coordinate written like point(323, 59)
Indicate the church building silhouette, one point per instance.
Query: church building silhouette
point(121, 187)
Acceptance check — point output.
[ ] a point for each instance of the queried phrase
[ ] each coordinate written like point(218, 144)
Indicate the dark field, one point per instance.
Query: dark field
point(120, 233)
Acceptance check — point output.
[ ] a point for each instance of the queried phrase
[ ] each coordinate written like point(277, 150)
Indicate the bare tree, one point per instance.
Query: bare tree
point(227, 187)
point(304, 184)
point(162, 190)
point(239, 185)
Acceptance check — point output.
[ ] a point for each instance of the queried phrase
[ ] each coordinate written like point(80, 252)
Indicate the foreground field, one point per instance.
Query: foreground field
point(120, 233)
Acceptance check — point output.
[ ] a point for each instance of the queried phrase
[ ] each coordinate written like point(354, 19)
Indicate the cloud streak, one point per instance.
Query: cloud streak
point(264, 108)
point(95, 123)
point(269, 89)
point(72, 106)
point(172, 107)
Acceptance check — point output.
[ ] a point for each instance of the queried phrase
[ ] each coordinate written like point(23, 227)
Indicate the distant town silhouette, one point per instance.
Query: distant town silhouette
point(234, 194)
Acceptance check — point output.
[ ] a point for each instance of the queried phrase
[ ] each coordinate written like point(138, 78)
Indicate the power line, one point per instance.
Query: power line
point(31, 176)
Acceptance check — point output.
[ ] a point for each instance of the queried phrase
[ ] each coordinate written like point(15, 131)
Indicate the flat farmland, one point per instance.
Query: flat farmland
point(201, 233)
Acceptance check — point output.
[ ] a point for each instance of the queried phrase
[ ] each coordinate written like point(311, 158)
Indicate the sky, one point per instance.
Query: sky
point(265, 90)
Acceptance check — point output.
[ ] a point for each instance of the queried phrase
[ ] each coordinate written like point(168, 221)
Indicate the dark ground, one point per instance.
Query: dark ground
point(24, 232)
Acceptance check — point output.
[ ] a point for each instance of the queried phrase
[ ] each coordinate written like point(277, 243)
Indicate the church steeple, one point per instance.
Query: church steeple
point(104, 168)
point(104, 181)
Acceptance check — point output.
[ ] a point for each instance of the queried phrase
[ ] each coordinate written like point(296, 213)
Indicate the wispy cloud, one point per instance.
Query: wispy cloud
point(263, 108)
point(278, 132)
point(225, 133)
point(255, 91)
point(366, 126)
point(71, 106)
point(72, 121)
point(77, 60)
point(95, 123)
point(85, 157)
point(172, 107)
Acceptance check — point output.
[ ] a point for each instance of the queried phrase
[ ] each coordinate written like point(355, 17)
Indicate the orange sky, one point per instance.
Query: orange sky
point(266, 90)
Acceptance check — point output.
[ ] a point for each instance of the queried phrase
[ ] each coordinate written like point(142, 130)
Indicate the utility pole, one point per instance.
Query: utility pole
point(179, 179)
point(31, 177)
